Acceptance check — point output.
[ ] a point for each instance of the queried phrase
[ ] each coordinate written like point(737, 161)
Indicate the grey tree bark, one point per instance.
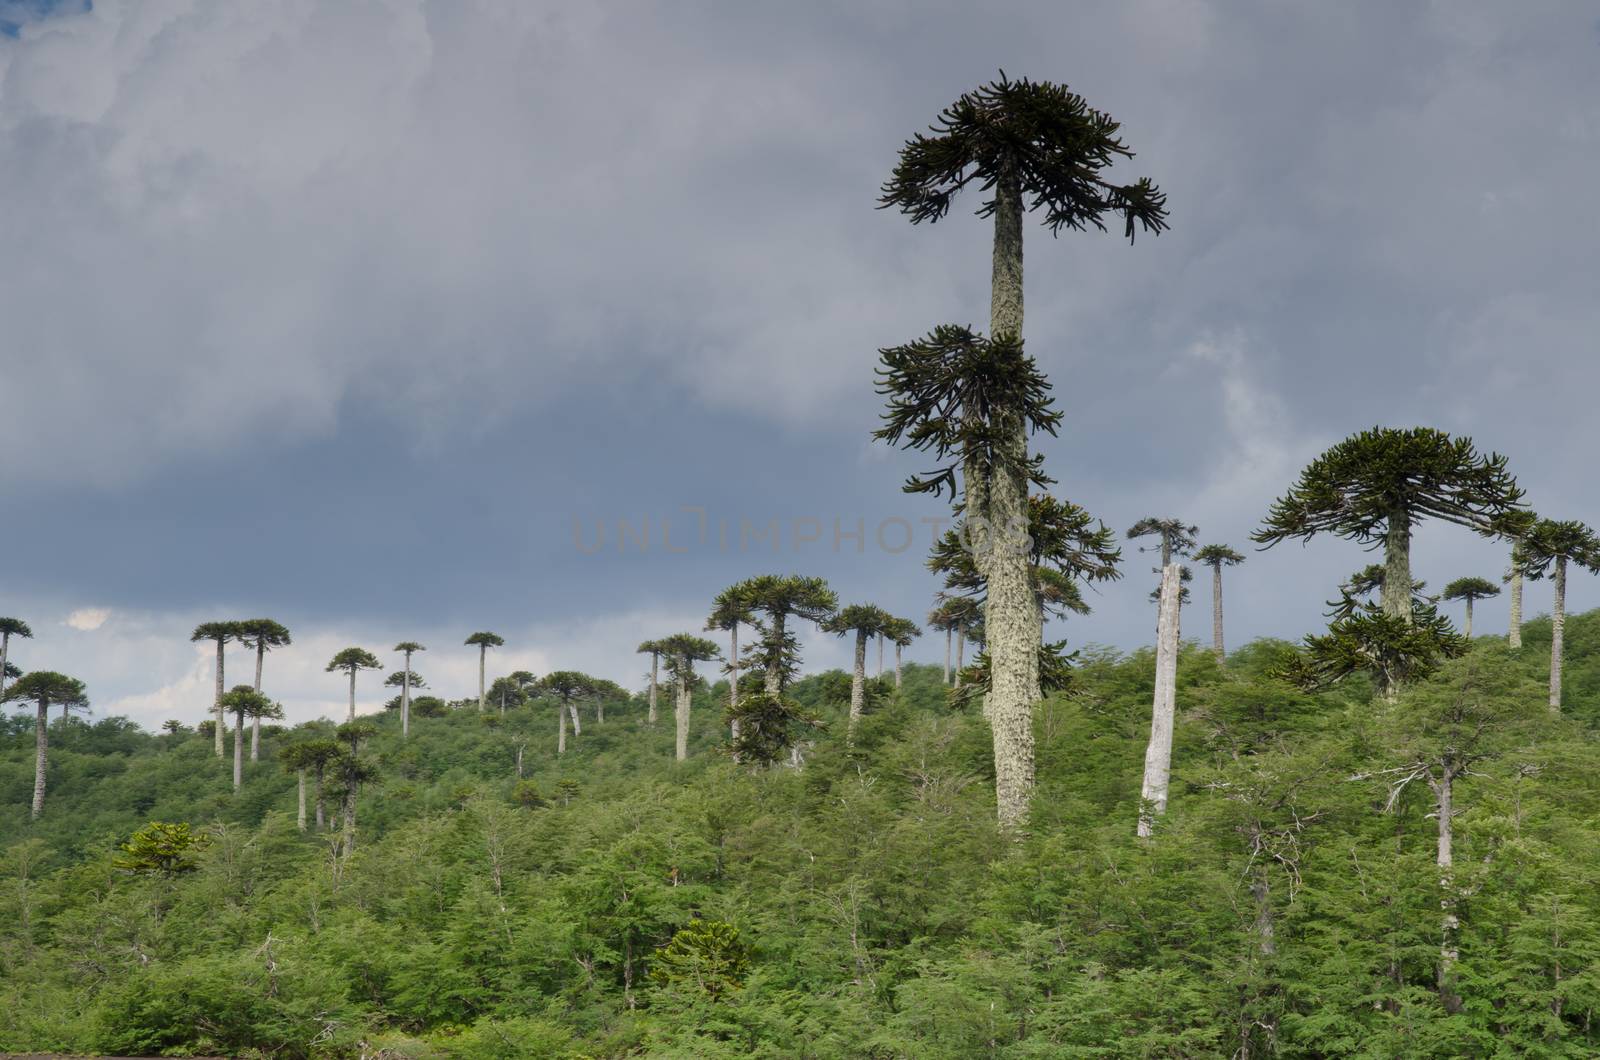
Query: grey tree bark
point(1444, 789)
point(238, 749)
point(733, 684)
point(577, 723)
point(1396, 595)
point(300, 798)
point(655, 683)
point(880, 654)
point(405, 700)
point(1469, 618)
point(949, 639)
point(483, 652)
point(858, 682)
point(961, 653)
point(222, 721)
point(5, 646)
point(322, 815)
point(1514, 631)
point(1216, 612)
point(255, 722)
point(561, 728)
point(352, 716)
point(680, 716)
point(41, 742)
point(1158, 754)
point(349, 820)
point(1558, 629)
point(897, 667)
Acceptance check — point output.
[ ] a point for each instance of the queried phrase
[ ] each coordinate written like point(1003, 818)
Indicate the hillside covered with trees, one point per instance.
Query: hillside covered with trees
point(615, 901)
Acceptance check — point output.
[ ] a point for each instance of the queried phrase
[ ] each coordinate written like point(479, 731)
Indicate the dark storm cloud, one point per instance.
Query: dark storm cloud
point(345, 310)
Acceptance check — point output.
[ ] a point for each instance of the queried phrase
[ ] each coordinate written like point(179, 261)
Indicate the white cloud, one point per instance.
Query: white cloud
point(88, 619)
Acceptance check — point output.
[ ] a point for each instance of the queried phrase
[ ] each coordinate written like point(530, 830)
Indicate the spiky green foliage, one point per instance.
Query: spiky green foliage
point(775, 599)
point(46, 688)
point(1217, 557)
point(486, 640)
point(681, 651)
point(350, 660)
point(565, 685)
point(1173, 536)
point(858, 618)
point(162, 848)
point(398, 679)
point(1055, 675)
point(246, 702)
point(706, 957)
point(902, 631)
point(1037, 133)
point(261, 634)
point(15, 627)
point(1470, 589)
point(958, 395)
point(1548, 540)
point(1387, 648)
point(1355, 590)
point(1355, 488)
point(1185, 576)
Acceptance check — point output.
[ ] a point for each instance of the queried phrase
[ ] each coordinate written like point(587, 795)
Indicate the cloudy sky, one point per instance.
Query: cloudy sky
point(347, 313)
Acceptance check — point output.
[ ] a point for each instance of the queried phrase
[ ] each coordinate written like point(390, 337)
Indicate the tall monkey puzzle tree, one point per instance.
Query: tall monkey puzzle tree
point(1547, 548)
point(352, 771)
point(773, 600)
point(351, 661)
point(484, 641)
point(246, 702)
point(1028, 145)
point(261, 635)
point(682, 651)
point(9, 627)
point(221, 633)
point(728, 612)
point(407, 648)
point(902, 631)
point(43, 688)
point(1216, 557)
point(1513, 578)
point(1470, 590)
point(1174, 537)
point(1374, 487)
point(565, 686)
point(863, 620)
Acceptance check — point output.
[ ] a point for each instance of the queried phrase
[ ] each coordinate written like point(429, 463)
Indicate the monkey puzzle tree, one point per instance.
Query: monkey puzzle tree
point(1174, 537)
point(1216, 557)
point(565, 686)
point(42, 688)
point(774, 599)
point(943, 618)
point(682, 651)
point(653, 648)
point(407, 648)
point(1391, 649)
point(405, 680)
point(221, 633)
point(295, 759)
point(351, 661)
point(1513, 578)
point(1548, 547)
point(1374, 487)
point(1470, 590)
point(506, 692)
point(246, 702)
point(9, 627)
point(484, 641)
point(902, 631)
point(1029, 145)
point(261, 635)
point(863, 620)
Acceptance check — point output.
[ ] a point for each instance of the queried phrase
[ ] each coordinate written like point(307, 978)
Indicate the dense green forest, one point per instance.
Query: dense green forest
point(614, 901)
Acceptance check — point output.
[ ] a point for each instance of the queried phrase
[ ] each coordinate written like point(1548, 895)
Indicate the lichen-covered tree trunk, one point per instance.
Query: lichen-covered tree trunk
point(1558, 629)
point(222, 721)
point(255, 738)
point(1445, 859)
point(858, 682)
point(483, 652)
point(681, 718)
point(1514, 630)
point(577, 722)
point(1216, 612)
point(561, 728)
point(949, 642)
point(961, 652)
point(655, 683)
point(1468, 630)
point(300, 799)
point(897, 678)
point(352, 716)
point(1011, 618)
point(1158, 754)
point(773, 677)
point(1396, 595)
point(880, 654)
point(238, 749)
point(41, 744)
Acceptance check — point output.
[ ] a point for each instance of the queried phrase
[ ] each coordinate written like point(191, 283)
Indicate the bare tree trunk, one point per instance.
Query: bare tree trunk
point(238, 749)
point(1558, 629)
point(1449, 923)
point(5, 646)
point(733, 688)
point(577, 723)
point(771, 682)
point(880, 654)
point(405, 700)
point(483, 651)
point(1514, 631)
point(1260, 891)
point(561, 728)
point(1011, 614)
point(41, 742)
point(1158, 755)
point(255, 738)
point(322, 816)
point(599, 710)
point(897, 679)
point(1396, 595)
point(961, 653)
point(1216, 612)
point(300, 799)
point(858, 682)
point(949, 641)
point(349, 819)
point(655, 682)
point(1469, 618)
point(222, 721)
point(680, 717)
point(352, 716)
